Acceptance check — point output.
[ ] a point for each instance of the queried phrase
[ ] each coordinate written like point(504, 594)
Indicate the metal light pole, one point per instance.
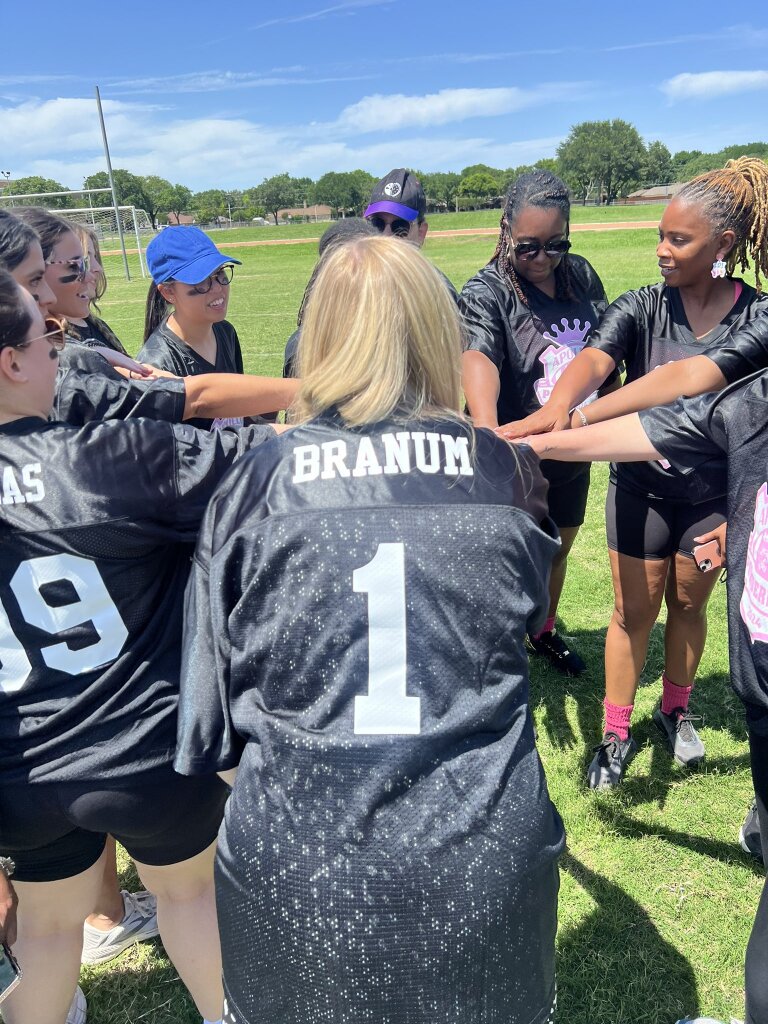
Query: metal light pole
point(112, 185)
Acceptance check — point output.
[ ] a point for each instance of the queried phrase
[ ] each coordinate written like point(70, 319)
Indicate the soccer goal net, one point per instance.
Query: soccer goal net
point(134, 222)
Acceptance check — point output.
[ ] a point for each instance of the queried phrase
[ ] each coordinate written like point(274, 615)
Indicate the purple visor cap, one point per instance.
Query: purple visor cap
point(387, 206)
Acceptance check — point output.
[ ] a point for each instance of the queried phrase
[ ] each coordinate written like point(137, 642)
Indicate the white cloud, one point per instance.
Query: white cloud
point(225, 81)
point(708, 84)
point(347, 7)
point(395, 111)
point(60, 139)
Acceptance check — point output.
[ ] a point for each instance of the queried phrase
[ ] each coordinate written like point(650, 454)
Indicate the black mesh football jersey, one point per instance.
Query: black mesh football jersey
point(354, 640)
point(648, 328)
point(531, 344)
point(97, 525)
point(82, 397)
point(695, 434)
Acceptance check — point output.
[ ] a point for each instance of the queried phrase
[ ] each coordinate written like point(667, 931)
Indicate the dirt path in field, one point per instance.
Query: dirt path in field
point(624, 225)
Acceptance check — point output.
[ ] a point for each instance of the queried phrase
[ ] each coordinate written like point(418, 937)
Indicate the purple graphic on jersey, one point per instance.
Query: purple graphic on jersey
point(754, 599)
point(566, 343)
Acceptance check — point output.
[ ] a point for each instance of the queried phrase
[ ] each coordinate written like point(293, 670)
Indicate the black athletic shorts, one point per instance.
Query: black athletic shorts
point(652, 529)
point(56, 830)
point(568, 501)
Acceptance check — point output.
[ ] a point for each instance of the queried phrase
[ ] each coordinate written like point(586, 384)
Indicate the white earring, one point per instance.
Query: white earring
point(718, 267)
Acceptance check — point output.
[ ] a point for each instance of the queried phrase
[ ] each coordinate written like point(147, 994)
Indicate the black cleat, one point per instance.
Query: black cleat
point(553, 647)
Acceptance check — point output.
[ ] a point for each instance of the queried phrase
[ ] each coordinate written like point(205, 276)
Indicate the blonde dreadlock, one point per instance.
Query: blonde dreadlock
point(735, 198)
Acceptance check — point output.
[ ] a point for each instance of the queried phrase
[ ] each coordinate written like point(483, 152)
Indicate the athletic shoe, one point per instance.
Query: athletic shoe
point(553, 647)
point(683, 739)
point(139, 923)
point(612, 756)
point(749, 834)
point(78, 1011)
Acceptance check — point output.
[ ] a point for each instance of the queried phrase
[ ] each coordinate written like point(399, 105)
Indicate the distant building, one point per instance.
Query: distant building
point(317, 212)
point(654, 194)
point(182, 218)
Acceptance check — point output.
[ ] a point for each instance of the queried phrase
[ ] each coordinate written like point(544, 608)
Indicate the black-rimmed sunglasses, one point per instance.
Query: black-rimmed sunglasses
point(222, 276)
point(530, 250)
point(399, 226)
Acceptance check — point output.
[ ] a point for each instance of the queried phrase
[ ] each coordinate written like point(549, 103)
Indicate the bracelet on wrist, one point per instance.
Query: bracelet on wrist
point(580, 413)
point(7, 866)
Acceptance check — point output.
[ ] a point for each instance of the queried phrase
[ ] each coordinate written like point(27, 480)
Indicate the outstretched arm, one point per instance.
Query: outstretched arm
point(233, 394)
point(580, 378)
point(480, 382)
point(620, 440)
point(685, 378)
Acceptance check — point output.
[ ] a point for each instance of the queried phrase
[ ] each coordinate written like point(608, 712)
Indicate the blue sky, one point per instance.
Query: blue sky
point(223, 95)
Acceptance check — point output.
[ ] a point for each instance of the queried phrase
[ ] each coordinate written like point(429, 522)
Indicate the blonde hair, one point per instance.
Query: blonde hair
point(380, 337)
point(735, 198)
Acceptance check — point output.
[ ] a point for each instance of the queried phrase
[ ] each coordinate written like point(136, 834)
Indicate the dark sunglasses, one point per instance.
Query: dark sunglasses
point(222, 276)
point(81, 268)
point(530, 250)
point(399, 226)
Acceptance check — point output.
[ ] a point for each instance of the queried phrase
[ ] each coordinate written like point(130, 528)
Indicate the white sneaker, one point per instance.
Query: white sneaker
point(139, 923)
point(78, 1011)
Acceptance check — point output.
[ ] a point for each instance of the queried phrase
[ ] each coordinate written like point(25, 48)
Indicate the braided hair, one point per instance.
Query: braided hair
point(735, 198)
point(544, 190)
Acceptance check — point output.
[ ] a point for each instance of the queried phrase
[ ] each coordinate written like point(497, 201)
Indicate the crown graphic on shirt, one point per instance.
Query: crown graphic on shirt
point(568, 335)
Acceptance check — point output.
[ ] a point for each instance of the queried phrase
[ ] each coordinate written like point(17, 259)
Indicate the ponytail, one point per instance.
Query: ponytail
point(157, 310)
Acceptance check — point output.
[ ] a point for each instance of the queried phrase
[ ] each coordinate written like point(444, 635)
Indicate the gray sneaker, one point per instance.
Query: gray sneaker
point(750, 839)
point(78, 1011)
point(612, 756)
point(682, 738)
point(139, 923)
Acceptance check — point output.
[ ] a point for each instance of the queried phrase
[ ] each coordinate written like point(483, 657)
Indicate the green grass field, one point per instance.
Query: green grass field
point(657, 899)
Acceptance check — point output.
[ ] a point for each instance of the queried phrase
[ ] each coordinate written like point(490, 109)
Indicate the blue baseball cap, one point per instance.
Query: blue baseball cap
point(184, 254)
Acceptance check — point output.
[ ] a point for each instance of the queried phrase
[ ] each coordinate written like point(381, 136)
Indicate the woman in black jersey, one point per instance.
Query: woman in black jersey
point(355, 647)
point(526, 315)
point(186, 330)
point(97, 523)
point(90, 329)
point(68, 280)
point(717, 221)
point(725, 433)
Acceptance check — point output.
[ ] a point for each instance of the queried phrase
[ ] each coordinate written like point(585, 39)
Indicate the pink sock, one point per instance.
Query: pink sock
point(617, 718)
point(673, 696)
point(548, 626)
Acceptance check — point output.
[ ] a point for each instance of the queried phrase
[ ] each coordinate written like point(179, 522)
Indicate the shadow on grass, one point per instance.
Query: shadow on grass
point(728, 852)
point(614, 966)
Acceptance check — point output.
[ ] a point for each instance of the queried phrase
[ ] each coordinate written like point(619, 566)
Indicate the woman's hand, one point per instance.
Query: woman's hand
point(718, 534)
point(8, 903)
point(121, 362)
point(145, 372)
point(540, 422)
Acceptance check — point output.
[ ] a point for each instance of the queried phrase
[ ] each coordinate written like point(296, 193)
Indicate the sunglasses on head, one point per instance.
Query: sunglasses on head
point(530, 250)
point(399, 226)
point(222, 276)
point(80, 267)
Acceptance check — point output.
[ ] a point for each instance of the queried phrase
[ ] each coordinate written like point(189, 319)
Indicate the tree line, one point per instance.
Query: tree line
point(599, 160)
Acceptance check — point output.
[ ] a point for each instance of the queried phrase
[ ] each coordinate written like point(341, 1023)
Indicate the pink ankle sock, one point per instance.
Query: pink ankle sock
point(617, 718)
point(548, 626)
point(673, 696)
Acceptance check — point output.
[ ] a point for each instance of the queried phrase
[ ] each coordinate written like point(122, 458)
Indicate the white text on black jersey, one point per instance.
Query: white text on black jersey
point(402, 452)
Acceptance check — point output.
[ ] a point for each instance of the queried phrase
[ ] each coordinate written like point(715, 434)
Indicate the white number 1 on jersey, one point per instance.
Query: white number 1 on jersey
point(386, 709)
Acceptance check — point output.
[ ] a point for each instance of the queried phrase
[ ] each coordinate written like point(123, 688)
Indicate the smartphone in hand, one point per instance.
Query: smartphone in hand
point(708, 556)
point(10, 972)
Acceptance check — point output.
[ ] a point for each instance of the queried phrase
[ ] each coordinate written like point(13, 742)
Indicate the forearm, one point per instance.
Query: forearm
point(688, 377)
point(580, 378)
point(231, 394)
point(480, 383)
point(620, 440)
